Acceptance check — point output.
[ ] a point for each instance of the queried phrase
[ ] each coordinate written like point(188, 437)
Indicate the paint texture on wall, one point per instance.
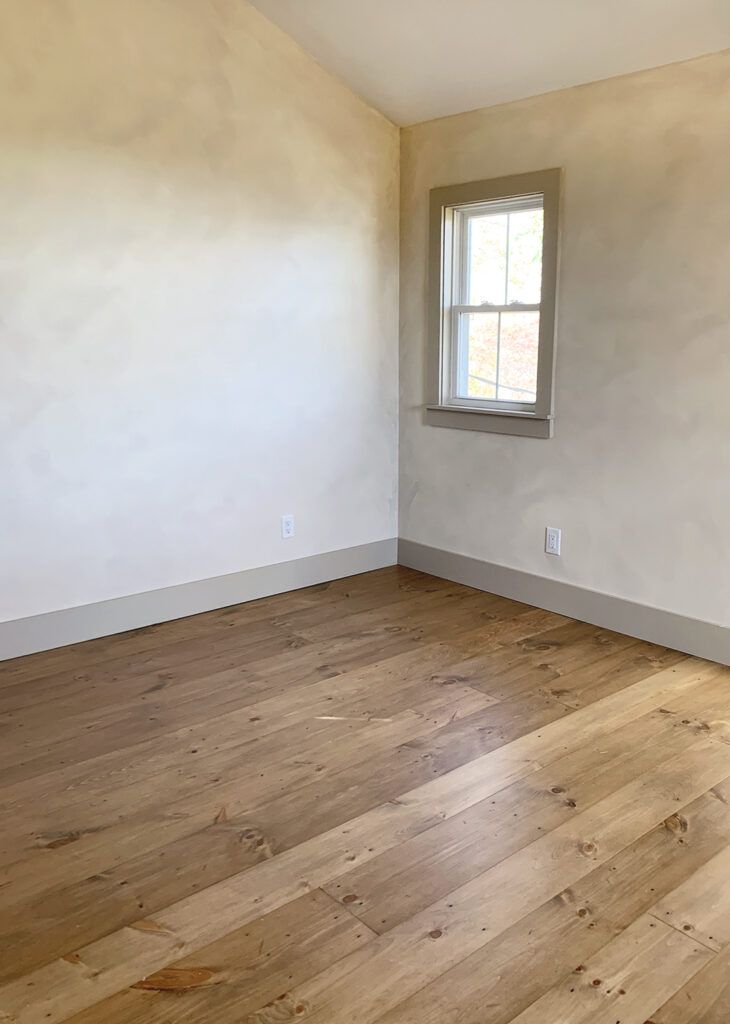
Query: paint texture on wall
point(638, 474)
point(198, 300)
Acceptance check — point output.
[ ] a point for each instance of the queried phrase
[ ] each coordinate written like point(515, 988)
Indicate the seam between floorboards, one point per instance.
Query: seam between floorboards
point(336, 905)
point(685, 935)
point(351, 913)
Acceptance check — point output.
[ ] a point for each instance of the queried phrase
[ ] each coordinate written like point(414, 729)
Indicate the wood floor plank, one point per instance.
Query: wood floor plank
point(526, 664)
point(626, 981)
point(247, 969)
point(705, 999)
point(588, 683)
point(167, 666)
point(700, 908)
point(449, 608)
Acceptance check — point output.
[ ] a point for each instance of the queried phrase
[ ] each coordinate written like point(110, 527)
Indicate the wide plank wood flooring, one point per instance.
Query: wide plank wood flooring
point(385, 799)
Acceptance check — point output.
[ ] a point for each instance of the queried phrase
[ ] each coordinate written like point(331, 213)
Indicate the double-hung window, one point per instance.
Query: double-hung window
point(493, 281)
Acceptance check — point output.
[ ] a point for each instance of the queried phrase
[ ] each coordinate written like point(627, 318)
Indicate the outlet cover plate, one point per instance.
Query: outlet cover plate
point(553, 540)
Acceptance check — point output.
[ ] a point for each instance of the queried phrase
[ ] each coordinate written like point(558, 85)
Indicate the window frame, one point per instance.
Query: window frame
point(448, 207)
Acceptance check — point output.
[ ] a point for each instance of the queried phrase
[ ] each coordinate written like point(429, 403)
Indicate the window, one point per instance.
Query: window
point(494, 258)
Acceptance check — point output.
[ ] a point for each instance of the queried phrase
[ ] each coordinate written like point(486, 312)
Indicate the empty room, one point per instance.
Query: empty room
point(364, 548)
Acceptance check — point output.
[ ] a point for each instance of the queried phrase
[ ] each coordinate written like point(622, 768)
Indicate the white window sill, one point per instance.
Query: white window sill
point(491, 421)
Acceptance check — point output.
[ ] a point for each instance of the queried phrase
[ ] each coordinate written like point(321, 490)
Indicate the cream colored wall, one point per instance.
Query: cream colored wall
point(198, 300)
point(638, 474)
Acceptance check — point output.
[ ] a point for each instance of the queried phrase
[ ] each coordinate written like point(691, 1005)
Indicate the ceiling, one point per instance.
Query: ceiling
point(419, 59)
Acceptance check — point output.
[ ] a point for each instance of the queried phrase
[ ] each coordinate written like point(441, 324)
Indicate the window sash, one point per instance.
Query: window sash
point(460, 259)
point(461, 256)
point(460, 366)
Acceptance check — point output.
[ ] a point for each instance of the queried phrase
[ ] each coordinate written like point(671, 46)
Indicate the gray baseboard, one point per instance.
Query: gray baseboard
point(693, 636)
point(73, 625)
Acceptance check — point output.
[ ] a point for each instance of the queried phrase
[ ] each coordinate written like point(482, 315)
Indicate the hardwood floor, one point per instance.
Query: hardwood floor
point(388, 798)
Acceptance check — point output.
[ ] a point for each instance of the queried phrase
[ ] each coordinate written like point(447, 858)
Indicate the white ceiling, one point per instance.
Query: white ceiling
point(419, 59)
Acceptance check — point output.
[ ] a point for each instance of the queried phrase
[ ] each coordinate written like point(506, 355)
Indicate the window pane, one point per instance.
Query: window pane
point(478, 364)
point(487, 259)
point(518, 347)
point(525, 256)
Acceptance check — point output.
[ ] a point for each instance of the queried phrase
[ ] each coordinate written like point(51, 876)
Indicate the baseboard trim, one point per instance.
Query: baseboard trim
point(74, 625)
point(44, 632)
point(693, 636)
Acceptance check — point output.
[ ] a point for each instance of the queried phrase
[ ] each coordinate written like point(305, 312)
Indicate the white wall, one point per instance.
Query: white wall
point(638, 474)
point(198, 300)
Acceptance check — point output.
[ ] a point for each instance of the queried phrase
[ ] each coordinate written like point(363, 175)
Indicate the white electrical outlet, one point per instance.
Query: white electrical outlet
point(287, 527)
point(553, 540)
